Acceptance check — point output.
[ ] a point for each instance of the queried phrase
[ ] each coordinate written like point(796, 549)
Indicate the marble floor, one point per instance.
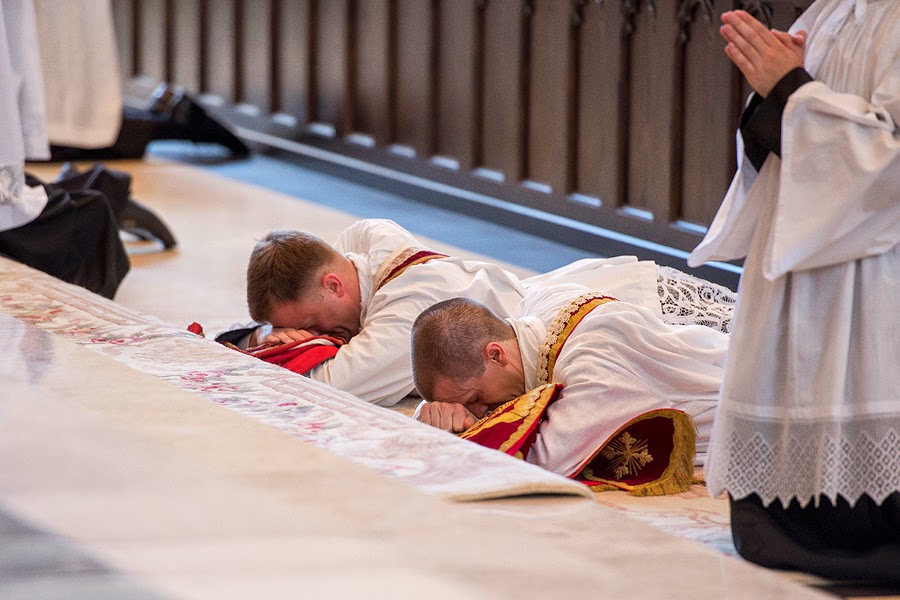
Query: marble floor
point(100, 498)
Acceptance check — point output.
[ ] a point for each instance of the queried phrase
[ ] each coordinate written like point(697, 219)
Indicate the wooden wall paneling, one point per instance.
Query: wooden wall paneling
point(221, 61)
point(504, 134)
point(331, 64)
point(709, 111)
point(602, 112)
point(459, 73)
point(550, 95)
point(651, 180)
point(187, 43)
point(124, 22)
point(416, 69)
point(255, 46)
point(293, 59)
point(374, 69)
point(151, 36)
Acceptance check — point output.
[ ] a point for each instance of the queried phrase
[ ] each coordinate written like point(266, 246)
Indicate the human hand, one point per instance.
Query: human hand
point(764, 56)
point(448, 416)
point(285, 335)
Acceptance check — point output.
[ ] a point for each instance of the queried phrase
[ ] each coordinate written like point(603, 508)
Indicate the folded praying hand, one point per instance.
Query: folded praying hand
point(763, 55)
point(278, 335)
point(448, 416)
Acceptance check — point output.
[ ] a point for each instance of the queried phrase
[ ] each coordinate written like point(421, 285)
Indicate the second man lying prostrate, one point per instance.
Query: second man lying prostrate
point(371, 285)
point(616, 361)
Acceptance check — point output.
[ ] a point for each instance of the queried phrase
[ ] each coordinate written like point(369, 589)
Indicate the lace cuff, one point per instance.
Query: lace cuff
point(689, 300)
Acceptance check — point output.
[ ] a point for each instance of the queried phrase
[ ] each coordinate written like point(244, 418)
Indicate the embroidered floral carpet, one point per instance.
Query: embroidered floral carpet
point(384, 440)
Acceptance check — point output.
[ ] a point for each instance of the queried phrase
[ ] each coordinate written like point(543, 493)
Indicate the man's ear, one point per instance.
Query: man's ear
point(495, 352)
point(331, 282)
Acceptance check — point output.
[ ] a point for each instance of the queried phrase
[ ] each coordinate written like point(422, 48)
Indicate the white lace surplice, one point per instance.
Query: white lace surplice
point(811, 398)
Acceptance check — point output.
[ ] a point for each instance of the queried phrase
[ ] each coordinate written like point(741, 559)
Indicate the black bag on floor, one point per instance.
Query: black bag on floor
point(75, 238)
point(131, 215)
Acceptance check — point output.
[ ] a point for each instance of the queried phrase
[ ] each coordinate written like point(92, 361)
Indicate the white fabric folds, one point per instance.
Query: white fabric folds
point(811, 398)
point(22, 133)
point(81, 72)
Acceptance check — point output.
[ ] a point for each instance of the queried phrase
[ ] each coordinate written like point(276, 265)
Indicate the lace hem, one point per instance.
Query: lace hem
point(689, 300)
point(780, 460)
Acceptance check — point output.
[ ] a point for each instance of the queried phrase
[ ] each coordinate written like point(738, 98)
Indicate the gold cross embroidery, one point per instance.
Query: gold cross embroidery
point(627, 454)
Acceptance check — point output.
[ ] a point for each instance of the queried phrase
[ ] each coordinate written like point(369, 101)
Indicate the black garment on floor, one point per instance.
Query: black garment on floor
point(171, 114)
point(75, 238)
point(833, 541)
point(132, 216)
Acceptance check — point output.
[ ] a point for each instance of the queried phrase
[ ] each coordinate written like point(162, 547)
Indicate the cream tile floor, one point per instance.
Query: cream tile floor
point(177, 508)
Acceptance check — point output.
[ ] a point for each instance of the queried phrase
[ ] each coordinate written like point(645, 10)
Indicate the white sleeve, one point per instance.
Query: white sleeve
point(624, 363)
point(376, 365)
point(839, 195)
point(370, 236)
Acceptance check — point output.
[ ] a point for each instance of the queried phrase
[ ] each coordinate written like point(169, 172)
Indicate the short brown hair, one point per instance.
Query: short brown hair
point(448, 339)
point(283, 266)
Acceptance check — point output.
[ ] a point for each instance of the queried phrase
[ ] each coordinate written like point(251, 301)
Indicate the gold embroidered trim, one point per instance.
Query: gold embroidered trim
point(566, 320)
point(400, 261)
point(523, 410)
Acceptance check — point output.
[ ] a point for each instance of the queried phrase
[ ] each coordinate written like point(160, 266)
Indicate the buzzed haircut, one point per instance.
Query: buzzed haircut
point(448, 339)
point(283, 267)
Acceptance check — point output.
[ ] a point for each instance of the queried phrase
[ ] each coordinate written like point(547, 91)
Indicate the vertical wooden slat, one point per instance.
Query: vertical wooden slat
point(293, 58)
point(220, 50)
point(549, 151)
point(415, 84)
point(601, 105)
point(237, 43)
point(151, 21)
point(458, 73)
point(123, 18)
point(374, 116)
point(169, 33)
point(348, 118)
point(274, 70)
point(203, 45)
point(652, 83)
point(331, 62)
point(503, 135)
point(708, 116)
point(312, 51)
point(255, 48)
point(186, 44)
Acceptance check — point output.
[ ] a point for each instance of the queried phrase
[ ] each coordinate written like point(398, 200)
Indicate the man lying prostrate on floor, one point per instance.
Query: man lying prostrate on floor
point(615, 361)
point(367, 290)
point(369, 287)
